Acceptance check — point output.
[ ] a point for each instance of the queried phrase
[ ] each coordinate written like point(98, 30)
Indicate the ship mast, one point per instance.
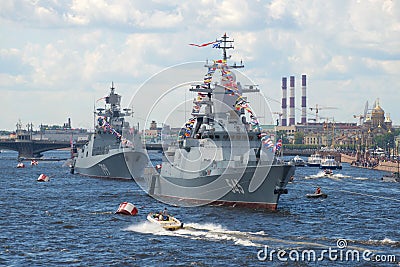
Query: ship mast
point(226, 44)
point(112, 87)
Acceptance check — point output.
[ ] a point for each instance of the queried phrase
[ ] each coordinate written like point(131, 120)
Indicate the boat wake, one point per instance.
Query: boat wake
point(339, 175)
point(217, 233)
point(145, 228)
point(322, 174)
point(361, 178)
point(385, 241)
point(196, 231)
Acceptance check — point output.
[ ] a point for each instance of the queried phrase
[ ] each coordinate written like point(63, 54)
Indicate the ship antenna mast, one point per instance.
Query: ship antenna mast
point(226, 44)
point(112, 87)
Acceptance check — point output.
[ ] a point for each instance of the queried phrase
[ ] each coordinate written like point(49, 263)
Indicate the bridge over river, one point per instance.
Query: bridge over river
point(34, 148)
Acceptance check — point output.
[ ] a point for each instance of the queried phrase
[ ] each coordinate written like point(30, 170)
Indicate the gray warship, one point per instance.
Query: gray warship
point(221, 156)
point(115, 149)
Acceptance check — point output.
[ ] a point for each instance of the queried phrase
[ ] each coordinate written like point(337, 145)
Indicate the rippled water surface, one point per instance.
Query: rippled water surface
point(70, 221)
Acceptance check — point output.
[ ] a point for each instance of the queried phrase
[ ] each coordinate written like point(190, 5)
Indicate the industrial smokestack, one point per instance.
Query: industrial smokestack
point(303, 99)
point(291, 99)
point(284, 103)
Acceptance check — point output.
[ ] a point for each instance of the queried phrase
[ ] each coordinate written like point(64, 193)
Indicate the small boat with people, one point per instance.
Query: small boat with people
point(298, 161)
point(317, 194)
point(320, 195)
point(328, 172)
point(164, 220)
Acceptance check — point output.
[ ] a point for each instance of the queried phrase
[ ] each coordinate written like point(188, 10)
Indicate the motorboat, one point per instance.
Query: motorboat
point(328, 172)
point(329, 162)
point(393, 177)
point(314, 160)
point(298, 161)
point(167, 222)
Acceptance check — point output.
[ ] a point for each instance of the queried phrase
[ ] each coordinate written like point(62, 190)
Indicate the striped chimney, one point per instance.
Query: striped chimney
point(303, 99)
point(284, 103)
point(291, 100)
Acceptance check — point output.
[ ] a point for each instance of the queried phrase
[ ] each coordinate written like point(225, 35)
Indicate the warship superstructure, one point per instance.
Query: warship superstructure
point(221, 157)
point(114, 150)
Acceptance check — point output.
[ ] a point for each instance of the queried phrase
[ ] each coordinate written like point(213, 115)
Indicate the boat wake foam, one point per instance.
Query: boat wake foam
point(361, 178)
point(321, 174)
point(145, 228)
point(385, 241)
point(196, 231)
point(217, 233)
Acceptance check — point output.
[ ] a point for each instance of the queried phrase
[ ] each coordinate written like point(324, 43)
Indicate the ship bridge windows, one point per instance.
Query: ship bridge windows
point(238, 137)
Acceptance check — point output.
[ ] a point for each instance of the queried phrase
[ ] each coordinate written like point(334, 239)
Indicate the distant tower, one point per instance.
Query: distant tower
point(303, 99)
point(291, 109)
point(284, 102)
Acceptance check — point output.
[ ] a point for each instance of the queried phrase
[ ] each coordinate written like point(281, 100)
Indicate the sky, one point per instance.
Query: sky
point(58, 57)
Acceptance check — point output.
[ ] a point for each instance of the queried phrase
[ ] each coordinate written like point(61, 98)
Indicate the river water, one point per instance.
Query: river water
point(70, 221)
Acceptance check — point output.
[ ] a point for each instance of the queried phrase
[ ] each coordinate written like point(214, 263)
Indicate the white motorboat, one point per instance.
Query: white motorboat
point(394, 177)
point(329, 162)
point(298, 161)
point(167, 222)
point(314, 160)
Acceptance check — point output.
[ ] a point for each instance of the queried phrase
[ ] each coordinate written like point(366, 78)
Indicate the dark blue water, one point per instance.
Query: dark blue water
point(70, 221)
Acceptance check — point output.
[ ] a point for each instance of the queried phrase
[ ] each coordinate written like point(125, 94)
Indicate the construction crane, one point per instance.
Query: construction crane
point(318, 108)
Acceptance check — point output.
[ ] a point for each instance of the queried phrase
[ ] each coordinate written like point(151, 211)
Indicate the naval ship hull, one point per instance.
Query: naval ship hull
point(266, 196)
point(118, 164)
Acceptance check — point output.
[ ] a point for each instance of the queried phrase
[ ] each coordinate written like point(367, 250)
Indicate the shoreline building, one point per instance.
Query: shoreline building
point(376, 123)
point(330, 133)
